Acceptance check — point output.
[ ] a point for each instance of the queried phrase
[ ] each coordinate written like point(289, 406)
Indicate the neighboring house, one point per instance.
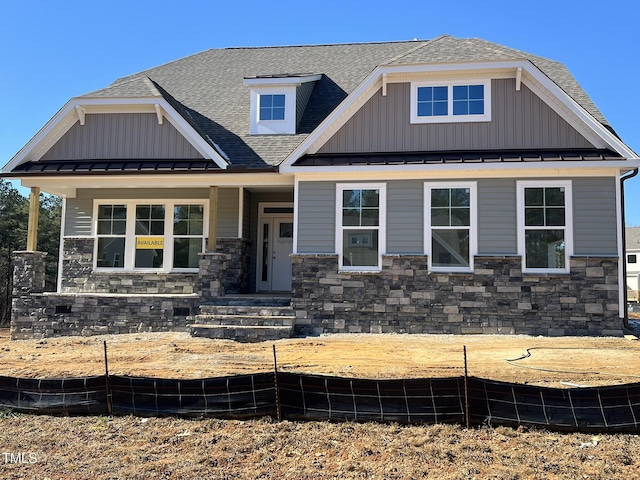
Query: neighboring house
point(632, 239)
point(449, 185)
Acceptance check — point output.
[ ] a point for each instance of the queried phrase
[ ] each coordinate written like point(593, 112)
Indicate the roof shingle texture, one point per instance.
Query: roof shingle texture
point(208, 88)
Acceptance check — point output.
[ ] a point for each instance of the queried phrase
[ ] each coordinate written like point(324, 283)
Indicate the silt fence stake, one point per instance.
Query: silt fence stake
point(106, 379)
point(275, 379)
point(466, 389)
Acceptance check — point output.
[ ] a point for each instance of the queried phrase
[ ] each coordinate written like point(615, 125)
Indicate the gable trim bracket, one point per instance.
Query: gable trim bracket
point(524, 71)
point(77, 108)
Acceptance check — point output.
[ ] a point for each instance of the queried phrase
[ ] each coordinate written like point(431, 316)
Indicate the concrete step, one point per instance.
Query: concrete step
point(256, 300)
point(242, 333)
point(246, 320)
point(248, 310)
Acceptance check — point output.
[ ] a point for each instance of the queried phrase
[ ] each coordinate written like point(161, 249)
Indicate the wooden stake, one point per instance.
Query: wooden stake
point(466, 389)
point(106, 379)
point(275, 369)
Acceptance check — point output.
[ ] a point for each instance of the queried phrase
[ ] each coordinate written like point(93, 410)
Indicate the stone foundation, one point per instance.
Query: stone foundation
point(78, 275)
point(496, 299)
point(52, 315)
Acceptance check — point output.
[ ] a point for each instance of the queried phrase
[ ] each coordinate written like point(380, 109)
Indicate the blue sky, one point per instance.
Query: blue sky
point(53, 51)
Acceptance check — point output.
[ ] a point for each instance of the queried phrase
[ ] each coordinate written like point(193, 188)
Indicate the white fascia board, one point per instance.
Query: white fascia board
point(467, 171)
point(67, 185)
point(67, 116)
point(288, 81)
point(546, 88)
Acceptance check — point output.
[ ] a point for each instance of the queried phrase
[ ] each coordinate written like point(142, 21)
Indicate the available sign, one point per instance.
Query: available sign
point(149, 243)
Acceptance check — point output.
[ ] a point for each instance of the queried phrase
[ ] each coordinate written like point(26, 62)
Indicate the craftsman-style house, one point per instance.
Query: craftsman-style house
point(449, 185)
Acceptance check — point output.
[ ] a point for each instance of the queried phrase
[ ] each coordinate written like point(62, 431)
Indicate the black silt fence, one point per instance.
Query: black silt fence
point(243, 396)
point(418, 401)
point(317, 397)
point(82, 396)
point(594, 409)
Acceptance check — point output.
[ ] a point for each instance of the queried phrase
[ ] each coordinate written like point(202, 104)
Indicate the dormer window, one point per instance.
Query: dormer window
point(272, 107)
point(441, 102)
point(278, 102)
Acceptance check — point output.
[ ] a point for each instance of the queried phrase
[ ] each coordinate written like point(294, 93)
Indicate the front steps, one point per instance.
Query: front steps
point(245, 318)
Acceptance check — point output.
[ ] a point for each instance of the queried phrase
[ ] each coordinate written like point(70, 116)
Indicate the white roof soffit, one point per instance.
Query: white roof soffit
point(529, 74)
point(77, 108)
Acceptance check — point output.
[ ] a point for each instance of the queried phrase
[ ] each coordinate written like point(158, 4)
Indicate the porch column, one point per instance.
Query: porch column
point(213, 219)
point(34, 211)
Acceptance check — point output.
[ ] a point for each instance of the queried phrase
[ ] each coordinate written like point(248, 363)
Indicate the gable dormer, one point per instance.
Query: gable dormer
point(278, 102)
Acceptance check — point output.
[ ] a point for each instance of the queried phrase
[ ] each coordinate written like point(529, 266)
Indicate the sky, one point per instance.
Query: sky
point(53, 51)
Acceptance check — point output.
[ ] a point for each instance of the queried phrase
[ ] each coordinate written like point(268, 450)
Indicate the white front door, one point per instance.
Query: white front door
point(275, 247)
point(281, 254)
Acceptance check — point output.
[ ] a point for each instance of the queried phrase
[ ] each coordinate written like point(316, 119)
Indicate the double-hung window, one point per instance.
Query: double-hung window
point(360, 232)
point(111, 230)
point(149, 236)
point(436, 102)
point(450, 219)
point(544, 226)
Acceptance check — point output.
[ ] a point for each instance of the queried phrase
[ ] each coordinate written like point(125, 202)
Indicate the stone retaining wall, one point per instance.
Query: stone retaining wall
point(496, 298)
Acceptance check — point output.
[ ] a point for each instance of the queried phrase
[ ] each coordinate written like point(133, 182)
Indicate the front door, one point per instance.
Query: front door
point(276, 246)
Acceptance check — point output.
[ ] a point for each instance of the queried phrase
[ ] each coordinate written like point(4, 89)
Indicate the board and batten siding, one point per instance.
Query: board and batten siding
point(316, 217)
point(497, 217)
point(405, 217)
point(519, 120)
point(228, 212)
point(595, 229)
point(79, 211)
point(121, 136)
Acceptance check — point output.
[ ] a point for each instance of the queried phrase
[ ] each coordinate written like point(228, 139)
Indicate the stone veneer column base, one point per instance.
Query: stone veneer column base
point(497, 298)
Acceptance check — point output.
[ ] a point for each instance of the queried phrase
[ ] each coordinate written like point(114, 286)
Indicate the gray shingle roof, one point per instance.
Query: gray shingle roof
point(632, 238)
point(208, 89)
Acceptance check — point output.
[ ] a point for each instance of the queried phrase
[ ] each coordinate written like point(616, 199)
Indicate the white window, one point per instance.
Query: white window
point(360, 232)
point(545, 236)
point(149, 236)
point(272, 107)
point(450, 219)
point(441, 102)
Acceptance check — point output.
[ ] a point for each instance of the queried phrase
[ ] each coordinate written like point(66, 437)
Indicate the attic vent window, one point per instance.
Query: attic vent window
point(272, 107)
point(451, 102)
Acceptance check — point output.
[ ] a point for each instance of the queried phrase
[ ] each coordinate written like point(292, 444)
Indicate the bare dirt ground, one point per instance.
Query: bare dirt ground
point(58, 447)
point(557, 362)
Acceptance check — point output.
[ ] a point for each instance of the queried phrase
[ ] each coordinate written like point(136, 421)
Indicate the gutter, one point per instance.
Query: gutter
point(625, 319)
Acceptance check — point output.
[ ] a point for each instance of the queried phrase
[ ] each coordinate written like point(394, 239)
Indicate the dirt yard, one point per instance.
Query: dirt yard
point(558, 362)
point(58, 447)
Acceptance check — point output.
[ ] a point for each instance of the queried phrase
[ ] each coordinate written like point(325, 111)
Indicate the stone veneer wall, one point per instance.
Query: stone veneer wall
point(236, 278)
point(36, 314)
point(78, 275)
point(496, 298)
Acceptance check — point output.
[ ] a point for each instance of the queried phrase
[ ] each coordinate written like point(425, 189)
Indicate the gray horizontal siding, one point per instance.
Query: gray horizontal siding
point(520, 120)
point(121, 135)
point(405, 217)
point(77, 220)
point(316, 217)
point(497, 217)
point(595, 219)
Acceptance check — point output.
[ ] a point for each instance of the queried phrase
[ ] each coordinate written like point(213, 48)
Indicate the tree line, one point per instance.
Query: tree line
point(14, 219)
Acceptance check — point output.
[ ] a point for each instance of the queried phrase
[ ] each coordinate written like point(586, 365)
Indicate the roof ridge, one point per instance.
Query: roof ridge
point(421, 43)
